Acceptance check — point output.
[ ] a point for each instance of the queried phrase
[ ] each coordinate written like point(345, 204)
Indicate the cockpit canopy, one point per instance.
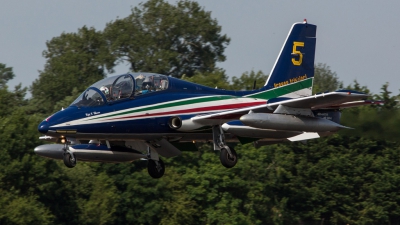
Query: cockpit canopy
point(120, 87)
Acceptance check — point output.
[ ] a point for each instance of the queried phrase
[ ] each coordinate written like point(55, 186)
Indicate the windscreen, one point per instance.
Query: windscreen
point(89, 98)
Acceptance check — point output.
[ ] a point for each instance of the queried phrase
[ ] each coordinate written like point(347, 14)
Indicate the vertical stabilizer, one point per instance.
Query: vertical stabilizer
point(294, 67)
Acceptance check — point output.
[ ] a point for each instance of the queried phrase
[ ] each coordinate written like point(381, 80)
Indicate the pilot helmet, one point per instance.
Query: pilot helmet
point(105, 90)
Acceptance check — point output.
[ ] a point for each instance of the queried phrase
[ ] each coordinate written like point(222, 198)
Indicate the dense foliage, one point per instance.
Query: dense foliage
point(167, 39)
point(349, 178)
point(156, 37)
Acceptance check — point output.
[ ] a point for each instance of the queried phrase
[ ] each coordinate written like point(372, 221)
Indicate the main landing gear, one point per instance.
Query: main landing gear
point(155, 166)
point(227, 159)
point(68, 156)
point(228, 155)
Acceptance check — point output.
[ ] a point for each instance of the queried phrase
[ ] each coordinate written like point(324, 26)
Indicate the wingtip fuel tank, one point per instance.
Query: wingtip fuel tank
point(89, 152)
point(289, 122)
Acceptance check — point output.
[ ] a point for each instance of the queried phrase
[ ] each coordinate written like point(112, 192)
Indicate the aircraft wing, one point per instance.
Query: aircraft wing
point(331, 100)
point(320, 101)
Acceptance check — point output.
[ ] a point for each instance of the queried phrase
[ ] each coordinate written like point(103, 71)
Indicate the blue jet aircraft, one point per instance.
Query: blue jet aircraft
point(143, 115)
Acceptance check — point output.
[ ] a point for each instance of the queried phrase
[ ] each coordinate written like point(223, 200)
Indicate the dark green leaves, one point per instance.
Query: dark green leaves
point(168, 39)
point(325, 79)
point(74, 61)
point(6, 74)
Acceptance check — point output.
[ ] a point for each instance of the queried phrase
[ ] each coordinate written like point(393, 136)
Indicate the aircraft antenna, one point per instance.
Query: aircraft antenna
point(254, 84)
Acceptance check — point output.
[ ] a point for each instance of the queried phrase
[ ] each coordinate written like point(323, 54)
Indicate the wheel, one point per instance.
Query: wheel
point(68, 160)
point(156, 169)
point(227, 160)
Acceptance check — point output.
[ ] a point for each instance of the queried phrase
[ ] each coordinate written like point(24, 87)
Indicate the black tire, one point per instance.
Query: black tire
point(68, 160)
point(152, 169)
point(227, 160)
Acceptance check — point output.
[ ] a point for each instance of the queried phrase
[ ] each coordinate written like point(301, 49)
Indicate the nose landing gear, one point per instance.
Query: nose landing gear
point(69, 160)
point(68, 157)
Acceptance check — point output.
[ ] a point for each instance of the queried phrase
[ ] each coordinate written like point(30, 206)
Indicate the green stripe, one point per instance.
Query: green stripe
point(276, 92)
point(172, 104)
point(273, 93)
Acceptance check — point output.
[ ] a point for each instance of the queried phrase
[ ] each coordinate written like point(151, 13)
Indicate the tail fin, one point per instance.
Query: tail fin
point(294, 66)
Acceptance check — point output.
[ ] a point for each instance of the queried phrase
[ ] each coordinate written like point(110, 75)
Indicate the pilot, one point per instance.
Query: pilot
point(139, 80)
point(148, 84)
point(105, 91)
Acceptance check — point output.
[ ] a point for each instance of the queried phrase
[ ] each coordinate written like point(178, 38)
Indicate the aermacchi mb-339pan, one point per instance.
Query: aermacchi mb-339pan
point(145, 115)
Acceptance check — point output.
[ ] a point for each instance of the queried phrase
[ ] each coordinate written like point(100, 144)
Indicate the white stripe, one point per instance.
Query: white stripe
point(272, 89)
point(93, 119)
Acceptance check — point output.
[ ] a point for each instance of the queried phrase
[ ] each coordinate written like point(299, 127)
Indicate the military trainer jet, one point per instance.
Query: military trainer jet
point(146, 115)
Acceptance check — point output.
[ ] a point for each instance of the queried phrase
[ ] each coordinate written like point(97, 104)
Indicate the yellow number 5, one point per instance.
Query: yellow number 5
point(297, 53)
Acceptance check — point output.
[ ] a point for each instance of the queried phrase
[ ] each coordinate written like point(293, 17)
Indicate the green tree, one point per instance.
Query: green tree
point(218, 79)
point(100, 207)
point(246, 80)
point(215, 79)
point(325, 79)
point(168, 39)
point(375, 121)
point(6, 74)
point(10, 99)
point(16, 209)
point(20, 171)
point(389, 102)
point(343, 179)
point(74, 60)
point(67, 100)
point(357, 87)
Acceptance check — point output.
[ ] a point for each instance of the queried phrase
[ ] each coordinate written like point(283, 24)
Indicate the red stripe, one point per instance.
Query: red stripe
point(204, 109)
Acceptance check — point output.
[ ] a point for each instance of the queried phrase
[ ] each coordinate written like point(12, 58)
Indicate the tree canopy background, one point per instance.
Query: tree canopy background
point(351, 177)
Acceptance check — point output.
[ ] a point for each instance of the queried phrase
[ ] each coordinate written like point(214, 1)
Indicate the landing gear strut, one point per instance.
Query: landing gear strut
point(228, 155)
point(68, 156)
point(155, 166)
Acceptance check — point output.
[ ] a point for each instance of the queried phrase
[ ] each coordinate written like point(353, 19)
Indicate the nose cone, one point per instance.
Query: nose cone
point(43, 127)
